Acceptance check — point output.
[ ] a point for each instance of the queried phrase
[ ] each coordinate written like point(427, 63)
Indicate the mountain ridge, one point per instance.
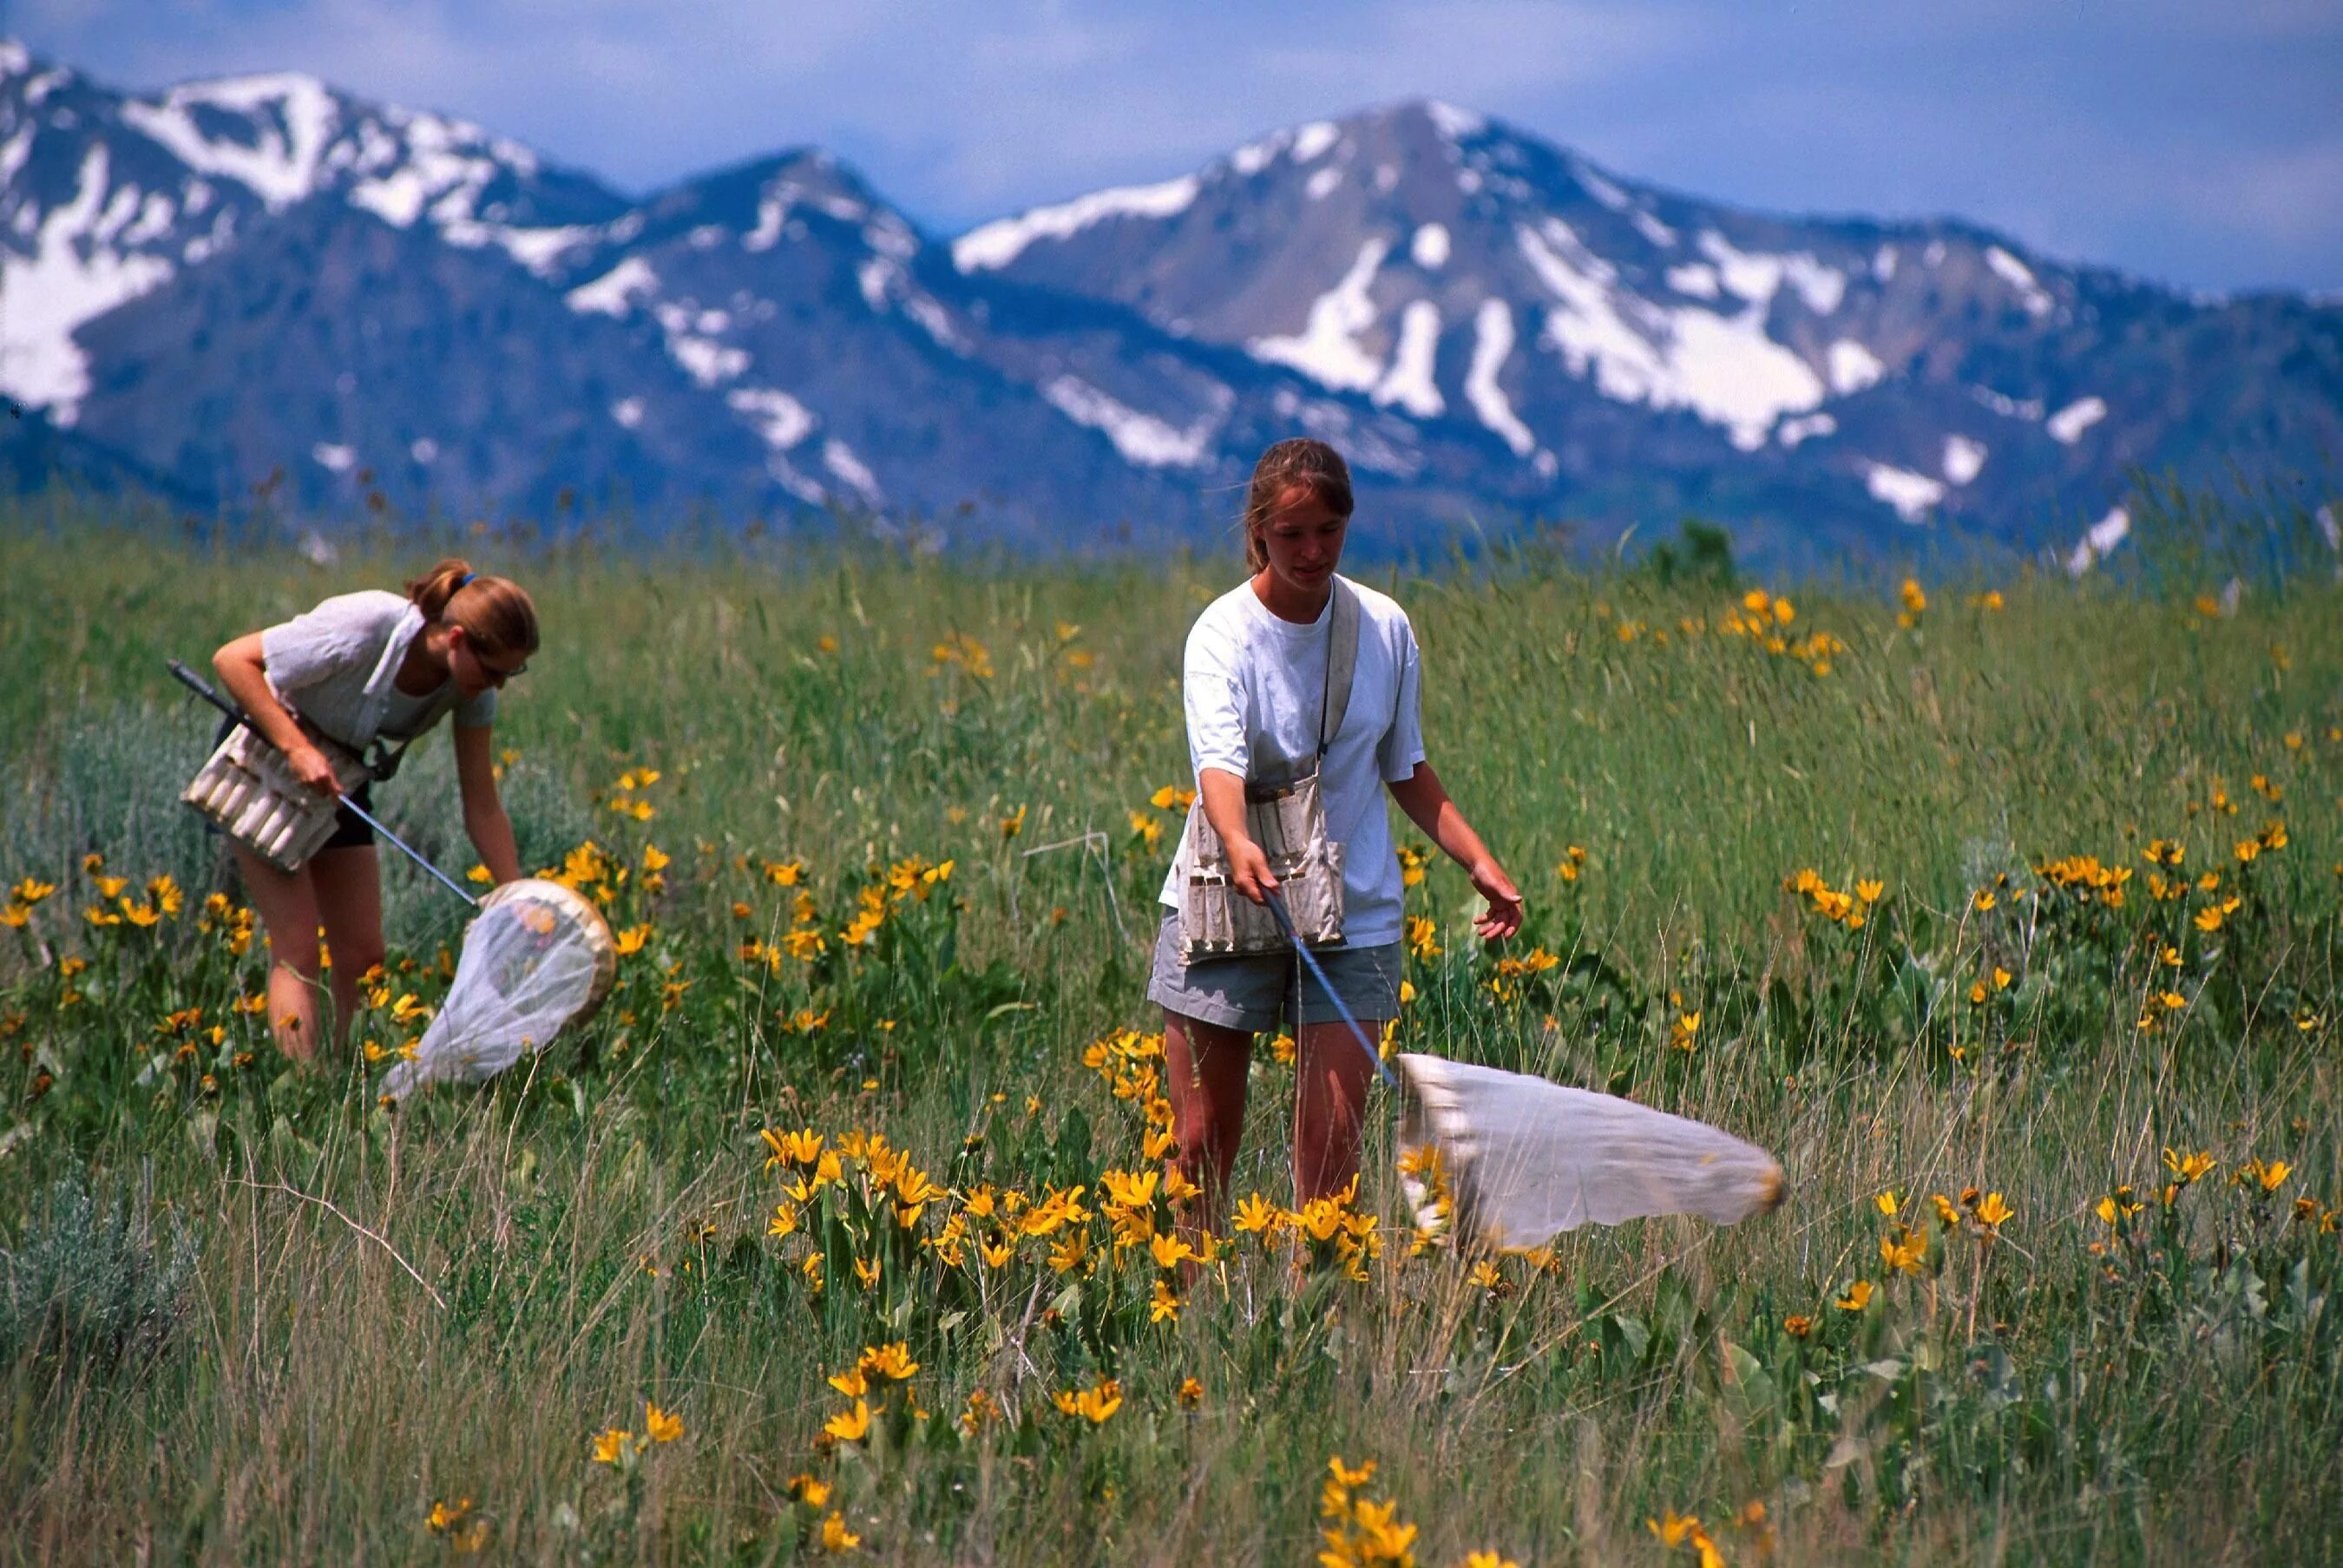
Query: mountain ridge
point(222, 277)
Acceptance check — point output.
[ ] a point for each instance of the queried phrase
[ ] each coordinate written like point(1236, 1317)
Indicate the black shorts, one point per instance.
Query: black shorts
point(350, 831)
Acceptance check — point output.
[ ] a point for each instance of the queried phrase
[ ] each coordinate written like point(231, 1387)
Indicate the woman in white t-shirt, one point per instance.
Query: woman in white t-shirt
point(363, 667)
point(1254, 687)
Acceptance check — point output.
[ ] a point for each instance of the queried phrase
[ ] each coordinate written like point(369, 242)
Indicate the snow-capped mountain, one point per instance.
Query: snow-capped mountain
point(1446, 266)
point(228, 279)
point(104, 198)
point(236, 278)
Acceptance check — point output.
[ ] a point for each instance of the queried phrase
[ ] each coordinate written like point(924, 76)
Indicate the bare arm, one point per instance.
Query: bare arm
point(484, 809)
point(1224, 808)
point(241, 670)
point(1425, 801)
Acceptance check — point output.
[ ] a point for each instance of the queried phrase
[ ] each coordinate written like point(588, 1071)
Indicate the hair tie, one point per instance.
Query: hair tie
point(460, 581)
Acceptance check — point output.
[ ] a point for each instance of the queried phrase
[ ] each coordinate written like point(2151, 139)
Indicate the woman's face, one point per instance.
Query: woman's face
point(476, 671)
point(1304, 540)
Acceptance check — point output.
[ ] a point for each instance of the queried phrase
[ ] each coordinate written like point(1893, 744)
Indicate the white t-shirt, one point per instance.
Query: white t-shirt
point(1254, 687)
point(338, 665)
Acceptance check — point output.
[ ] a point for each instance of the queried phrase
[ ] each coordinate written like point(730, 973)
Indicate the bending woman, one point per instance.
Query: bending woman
point(1255, 686)
point(361, 668)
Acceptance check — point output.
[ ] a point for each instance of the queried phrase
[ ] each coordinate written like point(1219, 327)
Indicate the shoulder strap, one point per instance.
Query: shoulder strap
point(1341, 664)
point(383, 761)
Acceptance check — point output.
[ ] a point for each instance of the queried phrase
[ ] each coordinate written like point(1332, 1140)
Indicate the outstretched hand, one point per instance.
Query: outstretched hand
point(1502, 918)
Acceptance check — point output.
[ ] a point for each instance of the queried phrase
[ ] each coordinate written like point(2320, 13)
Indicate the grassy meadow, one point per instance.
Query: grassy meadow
point(2007, 913)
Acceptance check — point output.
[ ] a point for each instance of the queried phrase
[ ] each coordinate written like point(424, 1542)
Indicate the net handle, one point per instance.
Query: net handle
point(1276, 901)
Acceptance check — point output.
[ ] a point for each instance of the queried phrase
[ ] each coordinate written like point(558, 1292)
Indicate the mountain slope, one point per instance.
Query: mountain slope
point(105, 196)
point(233, 279)
point(1449, 265)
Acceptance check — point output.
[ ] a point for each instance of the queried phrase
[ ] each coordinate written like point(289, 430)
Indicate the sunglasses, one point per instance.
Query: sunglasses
point(500, 676)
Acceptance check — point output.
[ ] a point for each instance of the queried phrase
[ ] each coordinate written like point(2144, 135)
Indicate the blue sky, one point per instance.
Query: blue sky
point(2200, 144)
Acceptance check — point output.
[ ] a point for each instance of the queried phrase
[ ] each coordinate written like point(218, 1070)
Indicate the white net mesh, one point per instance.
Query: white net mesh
point(1527, 1159)
point(537, 959)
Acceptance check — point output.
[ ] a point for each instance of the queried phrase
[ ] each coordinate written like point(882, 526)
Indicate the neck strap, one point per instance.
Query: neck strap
point(1341, 664)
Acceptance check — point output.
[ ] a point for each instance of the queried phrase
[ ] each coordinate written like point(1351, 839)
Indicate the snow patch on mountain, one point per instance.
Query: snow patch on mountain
point(1493, 345)
point(1327, 347)
point(1429, 249)
point(1453, 122)
point(1602, 190)
point(432, 163)
point(2020, 278)
point(1723, 368)
point(1853, 367)
point(1306, 143)
point(2100, 541)
point(1311, 141)
point(294, 117)
point(537, 250)
point(614, 292)
point(2067, 425)
point(996, 245)
point(1803, 427)
point(839, 460)
point(1963, 459)
point(2026, 408)
point(1757, 277)
point(780, 419)
point(1697, 279)
point(1323, 184)
point(707, 362)
point(1409, 381)
point(1139, 436)
point(73, 275)
point(1912, 495)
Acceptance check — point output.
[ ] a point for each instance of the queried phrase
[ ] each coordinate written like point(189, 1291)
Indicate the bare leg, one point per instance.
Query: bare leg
point(349, 900)
point(1206, 1064)
point(287, 906)
point(1331, 1074)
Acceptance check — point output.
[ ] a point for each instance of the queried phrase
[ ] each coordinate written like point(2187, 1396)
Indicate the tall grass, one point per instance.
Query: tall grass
point(391, 1311)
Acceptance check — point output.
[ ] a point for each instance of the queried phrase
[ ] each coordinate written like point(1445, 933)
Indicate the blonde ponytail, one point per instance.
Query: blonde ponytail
point(495, 613)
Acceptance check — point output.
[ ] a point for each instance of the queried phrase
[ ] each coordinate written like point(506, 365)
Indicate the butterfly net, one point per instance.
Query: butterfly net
point(1514, 1160)
point(537, 959)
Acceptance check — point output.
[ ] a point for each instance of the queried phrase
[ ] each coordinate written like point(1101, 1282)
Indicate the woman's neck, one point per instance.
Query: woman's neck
point(425, 668)
point(1287, 602)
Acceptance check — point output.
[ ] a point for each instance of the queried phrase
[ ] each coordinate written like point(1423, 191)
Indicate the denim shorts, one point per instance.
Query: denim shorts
point(1257, 992)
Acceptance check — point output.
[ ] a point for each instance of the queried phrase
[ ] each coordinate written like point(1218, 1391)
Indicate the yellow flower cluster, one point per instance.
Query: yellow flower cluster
point(617, 1446)
point(1095, 1404)
point(1127, 1061)
point(2087, 877)
point(1849, 909)
point(1674, 1529)
point(961, 650)
point(1512, 971)
point(1328, 1230)
point(1359, 1530)
point(1765, 617)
